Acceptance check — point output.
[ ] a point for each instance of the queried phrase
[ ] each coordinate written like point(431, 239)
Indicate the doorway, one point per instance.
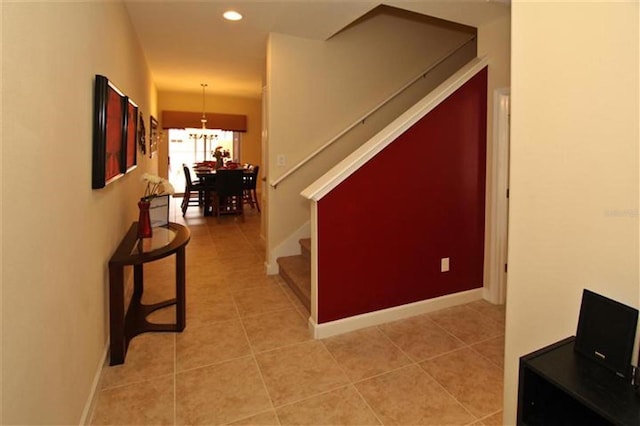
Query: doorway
point(497, 286)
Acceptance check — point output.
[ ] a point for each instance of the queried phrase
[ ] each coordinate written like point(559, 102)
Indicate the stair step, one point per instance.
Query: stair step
point(305, 245)
point(296, 272)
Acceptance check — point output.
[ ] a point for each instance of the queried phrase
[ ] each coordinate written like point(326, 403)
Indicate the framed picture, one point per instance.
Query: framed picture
point(131, 136)
point(159, 211)
point(142, 134)
point(153, 136)
point(109, 155)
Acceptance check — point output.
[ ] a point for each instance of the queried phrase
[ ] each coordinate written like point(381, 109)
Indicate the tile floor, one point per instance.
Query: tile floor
point(246, 357)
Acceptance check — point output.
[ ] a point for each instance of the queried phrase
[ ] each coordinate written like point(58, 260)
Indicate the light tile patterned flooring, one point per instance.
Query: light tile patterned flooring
point(246, 357)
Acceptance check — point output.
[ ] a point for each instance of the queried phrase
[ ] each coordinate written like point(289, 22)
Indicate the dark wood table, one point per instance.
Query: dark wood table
point(125, 324)
point(559, 386)
point(208, 179)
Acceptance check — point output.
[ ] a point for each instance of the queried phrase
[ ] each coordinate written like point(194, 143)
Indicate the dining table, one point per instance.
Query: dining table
point(207, 176)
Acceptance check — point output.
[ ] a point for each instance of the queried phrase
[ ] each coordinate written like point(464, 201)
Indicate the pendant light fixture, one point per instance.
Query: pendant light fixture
point(203, 120)
point(202, 134)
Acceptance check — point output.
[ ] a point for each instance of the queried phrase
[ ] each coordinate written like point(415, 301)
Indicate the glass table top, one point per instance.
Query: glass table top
point(162, 236)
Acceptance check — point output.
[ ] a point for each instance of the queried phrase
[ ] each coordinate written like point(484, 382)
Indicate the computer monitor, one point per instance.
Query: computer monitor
point(606, 332)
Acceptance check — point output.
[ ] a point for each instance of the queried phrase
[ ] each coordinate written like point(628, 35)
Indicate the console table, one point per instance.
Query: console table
point(561, 387)
point(125, 323)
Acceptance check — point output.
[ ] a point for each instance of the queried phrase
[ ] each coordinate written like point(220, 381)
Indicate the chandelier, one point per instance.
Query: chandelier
point(202, 134)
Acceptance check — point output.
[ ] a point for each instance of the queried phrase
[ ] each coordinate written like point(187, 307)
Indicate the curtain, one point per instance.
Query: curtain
point(185, 119)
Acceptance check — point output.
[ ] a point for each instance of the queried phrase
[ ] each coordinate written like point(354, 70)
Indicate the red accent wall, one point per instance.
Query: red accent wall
point(383, 231)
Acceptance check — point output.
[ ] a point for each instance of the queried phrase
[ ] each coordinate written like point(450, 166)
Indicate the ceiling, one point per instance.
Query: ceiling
point(187, 42)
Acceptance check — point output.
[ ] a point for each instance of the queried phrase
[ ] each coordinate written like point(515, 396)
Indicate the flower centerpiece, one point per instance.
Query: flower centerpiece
point(219, 154)
point(155, 187)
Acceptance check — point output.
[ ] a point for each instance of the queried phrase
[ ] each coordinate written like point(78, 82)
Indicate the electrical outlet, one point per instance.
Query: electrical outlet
point(444, 264)
point(281, 160)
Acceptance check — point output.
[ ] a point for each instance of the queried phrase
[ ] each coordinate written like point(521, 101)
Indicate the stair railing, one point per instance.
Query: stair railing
point(364, 118)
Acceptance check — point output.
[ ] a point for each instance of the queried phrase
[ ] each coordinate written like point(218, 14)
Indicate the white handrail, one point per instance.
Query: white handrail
point(362, 119)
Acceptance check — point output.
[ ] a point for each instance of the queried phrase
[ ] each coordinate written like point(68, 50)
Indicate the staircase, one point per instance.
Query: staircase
point(296, 272)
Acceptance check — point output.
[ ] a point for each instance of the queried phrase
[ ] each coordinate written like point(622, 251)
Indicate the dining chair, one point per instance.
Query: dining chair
point(249, 193)
point(229, 192)
point(193, 191)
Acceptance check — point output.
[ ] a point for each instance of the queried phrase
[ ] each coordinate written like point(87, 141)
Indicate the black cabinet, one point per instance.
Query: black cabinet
point(561, 387)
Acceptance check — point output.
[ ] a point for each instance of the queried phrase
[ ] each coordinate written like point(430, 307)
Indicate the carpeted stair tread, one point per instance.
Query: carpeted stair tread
point(296, 272)
point(305, 245)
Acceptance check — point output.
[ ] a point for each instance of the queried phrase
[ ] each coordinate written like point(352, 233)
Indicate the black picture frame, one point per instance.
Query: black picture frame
point(142, 135)
point(153, 136)
point(131, 137)
point(109, 130)
point(606, 332)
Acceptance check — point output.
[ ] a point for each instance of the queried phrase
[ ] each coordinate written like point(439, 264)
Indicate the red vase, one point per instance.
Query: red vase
point(144, 221)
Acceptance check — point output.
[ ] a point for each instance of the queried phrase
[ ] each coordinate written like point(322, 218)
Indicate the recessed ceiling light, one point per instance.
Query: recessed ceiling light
point(232, 15)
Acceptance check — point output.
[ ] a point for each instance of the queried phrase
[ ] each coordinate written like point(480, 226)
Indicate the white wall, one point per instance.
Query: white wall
point(1, 221)
point(58, 234)
point(317, 89)
point(573, 220)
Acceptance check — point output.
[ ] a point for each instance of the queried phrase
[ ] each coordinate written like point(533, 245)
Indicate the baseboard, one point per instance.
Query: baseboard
point(89, 406)
point(272, 268)
point(487, 294)
point(357, 322)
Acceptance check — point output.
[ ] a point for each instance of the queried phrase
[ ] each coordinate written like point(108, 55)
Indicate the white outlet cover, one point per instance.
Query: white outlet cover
point(444, 264)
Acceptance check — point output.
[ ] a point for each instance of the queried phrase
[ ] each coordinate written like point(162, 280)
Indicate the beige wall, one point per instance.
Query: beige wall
point(251, 151)
point(58, 234)
point(573, 219)
point(317, 89)
point(1, 222)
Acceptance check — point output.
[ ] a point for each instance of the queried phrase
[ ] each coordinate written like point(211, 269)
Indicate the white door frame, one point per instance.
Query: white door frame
point(497, 278)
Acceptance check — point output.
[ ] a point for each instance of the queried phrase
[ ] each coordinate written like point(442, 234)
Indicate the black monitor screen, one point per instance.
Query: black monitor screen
point(606, 332)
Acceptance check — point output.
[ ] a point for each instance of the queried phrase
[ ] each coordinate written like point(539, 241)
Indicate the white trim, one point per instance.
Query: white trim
point(496, 285)
point(89, 406)
point(313, 309)
point(360, 156)
point(271, 268)
point(289, 247)
point(345, 325)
